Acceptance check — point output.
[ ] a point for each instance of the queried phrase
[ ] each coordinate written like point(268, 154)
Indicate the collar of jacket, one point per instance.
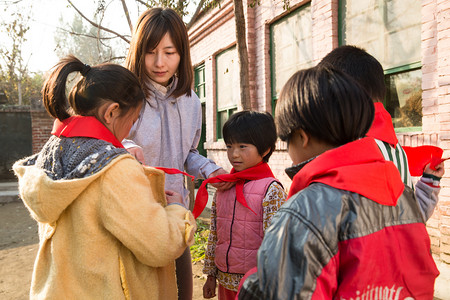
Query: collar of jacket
point(291, 171)
point(382, 127)
point(80, 126)
point(357, 167)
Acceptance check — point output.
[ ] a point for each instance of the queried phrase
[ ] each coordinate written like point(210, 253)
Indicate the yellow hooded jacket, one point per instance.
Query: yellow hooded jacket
point(106, 236)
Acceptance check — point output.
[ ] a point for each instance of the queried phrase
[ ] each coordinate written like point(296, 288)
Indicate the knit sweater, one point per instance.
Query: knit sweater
point(104, 228)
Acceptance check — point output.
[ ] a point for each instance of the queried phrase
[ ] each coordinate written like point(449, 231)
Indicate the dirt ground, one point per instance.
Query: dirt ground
point(18, 248)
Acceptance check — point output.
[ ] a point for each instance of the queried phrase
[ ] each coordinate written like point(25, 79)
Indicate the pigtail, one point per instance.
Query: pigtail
point(54, 90)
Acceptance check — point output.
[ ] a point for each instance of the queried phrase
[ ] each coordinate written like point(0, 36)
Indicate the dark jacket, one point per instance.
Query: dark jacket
point(329, 243)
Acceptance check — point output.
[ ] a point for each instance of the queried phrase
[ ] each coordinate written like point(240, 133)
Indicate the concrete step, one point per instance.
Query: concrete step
point(9, 192)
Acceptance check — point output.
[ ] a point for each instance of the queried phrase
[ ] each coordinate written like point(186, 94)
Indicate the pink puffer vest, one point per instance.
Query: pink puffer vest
point(239, 230)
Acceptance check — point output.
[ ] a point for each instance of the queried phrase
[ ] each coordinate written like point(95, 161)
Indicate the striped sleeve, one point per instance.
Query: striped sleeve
point(398, 156)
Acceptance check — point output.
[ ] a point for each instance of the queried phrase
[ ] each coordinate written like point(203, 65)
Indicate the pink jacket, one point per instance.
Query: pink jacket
point(239, 230)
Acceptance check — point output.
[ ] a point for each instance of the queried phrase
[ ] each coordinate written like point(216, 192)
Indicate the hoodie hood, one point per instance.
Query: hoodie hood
point(382, 127)
point(156, 94)
point(357, 167)
point(52, 179)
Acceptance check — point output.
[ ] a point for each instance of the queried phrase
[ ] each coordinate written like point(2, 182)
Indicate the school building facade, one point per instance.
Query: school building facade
point(411, 38)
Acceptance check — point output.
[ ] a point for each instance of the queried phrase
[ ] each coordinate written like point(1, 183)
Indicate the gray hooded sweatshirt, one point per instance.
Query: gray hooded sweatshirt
point(168, 130)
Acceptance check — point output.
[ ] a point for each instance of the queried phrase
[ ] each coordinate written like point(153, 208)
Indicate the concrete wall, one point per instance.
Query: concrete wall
point(15, 138)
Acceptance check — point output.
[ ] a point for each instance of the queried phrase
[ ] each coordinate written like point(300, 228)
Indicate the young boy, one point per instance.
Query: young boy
point(350, 229)
point(241, 215)
point(368, 72)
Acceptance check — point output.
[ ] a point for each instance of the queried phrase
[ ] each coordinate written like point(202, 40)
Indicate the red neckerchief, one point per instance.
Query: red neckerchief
point(419, 157)
point(260, 171)
point(84, 127)
point(357, 167)
point(80, 126)
point(382, 127)
point(174, 171)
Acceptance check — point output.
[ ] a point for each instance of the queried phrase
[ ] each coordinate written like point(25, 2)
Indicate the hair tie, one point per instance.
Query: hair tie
point(85, 70)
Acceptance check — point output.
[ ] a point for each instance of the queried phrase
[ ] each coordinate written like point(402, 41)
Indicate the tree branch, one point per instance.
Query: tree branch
point(86, 35)
point(196, 13)
point(142, 2)
point(96, 25)
point(127, 14)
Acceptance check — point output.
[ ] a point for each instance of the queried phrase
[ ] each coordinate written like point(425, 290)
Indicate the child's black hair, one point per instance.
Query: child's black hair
point(252, 127)
point(360, 65)
point(327, 104)
point(98, 84)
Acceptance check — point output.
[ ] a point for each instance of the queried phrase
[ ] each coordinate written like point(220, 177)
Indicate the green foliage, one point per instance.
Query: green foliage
point(201, 241)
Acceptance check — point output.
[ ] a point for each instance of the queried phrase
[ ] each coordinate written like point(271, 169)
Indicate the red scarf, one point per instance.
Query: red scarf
point(382, 127)
point(419, 157)
point(81, 126)
point(357, 167)
point(84, 127)
point(260, 171)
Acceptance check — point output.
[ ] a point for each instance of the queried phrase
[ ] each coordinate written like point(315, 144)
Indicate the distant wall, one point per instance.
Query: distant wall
point(42, 125)
point(15, 138)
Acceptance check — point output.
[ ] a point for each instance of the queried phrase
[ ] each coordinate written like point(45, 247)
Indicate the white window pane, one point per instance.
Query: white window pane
point(291, 46)
point(227, 79)
point(389, 30)
point(410, 14)
point(402, 48)
point(358, 7)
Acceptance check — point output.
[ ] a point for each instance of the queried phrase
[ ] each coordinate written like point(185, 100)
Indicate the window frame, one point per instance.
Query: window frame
point(273, 96)
point(387, 72)
point(197, 82)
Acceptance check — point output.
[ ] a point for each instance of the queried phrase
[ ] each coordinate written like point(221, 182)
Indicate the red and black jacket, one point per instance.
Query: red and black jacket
point(350, 230)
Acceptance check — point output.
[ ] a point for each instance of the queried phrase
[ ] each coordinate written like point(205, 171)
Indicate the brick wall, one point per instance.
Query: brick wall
point(42, 125)
point(215, 31)
point(436, 110)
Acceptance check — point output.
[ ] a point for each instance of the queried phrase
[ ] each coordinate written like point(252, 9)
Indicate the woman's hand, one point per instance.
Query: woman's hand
point(209, 288)
point(173, 197)
point(221, 186)
point(137, 153)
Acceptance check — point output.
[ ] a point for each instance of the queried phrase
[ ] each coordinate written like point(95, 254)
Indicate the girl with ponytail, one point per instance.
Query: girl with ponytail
point(107, 228)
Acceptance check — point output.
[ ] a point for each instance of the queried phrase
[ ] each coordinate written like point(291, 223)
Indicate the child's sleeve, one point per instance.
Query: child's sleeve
point(274, 198)
point(209, 266)
point(129, 143)
point(292, 260)
point(131, 208)
point(426, 191)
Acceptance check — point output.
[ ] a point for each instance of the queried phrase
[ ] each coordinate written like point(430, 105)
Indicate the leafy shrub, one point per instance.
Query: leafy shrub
point(201, 241)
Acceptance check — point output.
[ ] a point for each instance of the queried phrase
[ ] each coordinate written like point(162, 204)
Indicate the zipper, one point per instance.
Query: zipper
point(231, 234)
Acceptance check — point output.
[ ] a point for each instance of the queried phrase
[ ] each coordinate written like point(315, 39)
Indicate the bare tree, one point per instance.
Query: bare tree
point(242, 50)
point(181, 7)
point(15, 81)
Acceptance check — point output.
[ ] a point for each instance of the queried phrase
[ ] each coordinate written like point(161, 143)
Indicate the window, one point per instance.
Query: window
point(291, 47)
point(200, 90)
point(199, 82)
point(227, 86)
point(390, 30)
